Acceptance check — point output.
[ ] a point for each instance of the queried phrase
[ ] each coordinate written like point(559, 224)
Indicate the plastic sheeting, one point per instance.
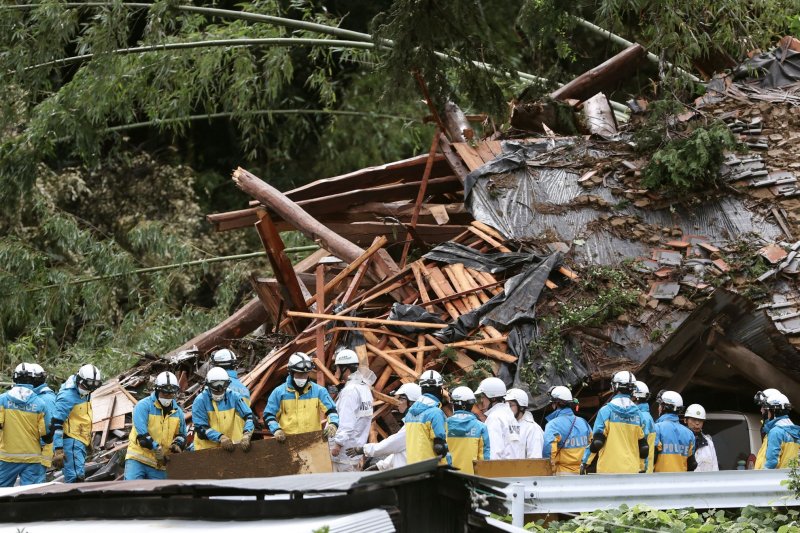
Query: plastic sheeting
point(451, 252)
point(775, 69)
point(411, 313)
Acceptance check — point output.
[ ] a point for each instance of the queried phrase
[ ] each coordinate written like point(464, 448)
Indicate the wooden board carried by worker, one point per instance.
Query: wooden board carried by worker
point(306, 453)
point(513, 468)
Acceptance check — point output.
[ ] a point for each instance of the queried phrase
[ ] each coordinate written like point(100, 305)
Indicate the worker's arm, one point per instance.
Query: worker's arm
point(246, 413)
point(141, 421)
point(347, 411)
point(439, 429)
point(61, 412)
point(598, 438)
point(773, 449)
point(534, 443)
point(271, 411)
point(487, 445)
point(329, 406)
point(551, 439)
point(202, 425)
point(395, 443)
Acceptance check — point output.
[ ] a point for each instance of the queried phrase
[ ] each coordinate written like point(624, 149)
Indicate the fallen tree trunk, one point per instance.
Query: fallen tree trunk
point(291, 212)
point(239, 324)
point(603, 76)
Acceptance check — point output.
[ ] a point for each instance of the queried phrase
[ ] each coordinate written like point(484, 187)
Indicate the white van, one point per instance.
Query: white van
point(737, 438)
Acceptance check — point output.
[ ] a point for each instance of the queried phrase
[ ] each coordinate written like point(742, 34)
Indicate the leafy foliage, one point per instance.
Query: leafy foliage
point(689, 163)
point(640, 517)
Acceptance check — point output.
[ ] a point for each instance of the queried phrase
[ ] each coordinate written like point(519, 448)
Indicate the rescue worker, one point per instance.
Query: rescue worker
point(49, 396)
point(618, 439)
point(504, 429)
point(674, 441)
point(159, 428)
point(392, 449)
point(226, 359)
point(221, 416)
point(425, 422)
point(24, 419)
point(72, 422)
point(294, 407)
point(704, 452)
point(641, 395)
point(467, 437)
point(354, 405)
point(531, 436)
point(783, 438)
point(766, 424)
point(566, 435)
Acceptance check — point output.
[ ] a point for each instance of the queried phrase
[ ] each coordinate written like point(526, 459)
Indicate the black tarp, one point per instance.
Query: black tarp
point(776, 68)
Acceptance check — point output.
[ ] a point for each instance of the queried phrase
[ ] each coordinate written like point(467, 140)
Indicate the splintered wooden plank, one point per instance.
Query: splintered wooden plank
point(400, 346)
point(462, 360)
point(439, 291)
point(406, 373)
point(423, 292)
point(469, 155)
point(484, 152)
point(475, 285)
point(420, 362)
point(454, 273)
point(491, 240)
point(496, 147)
point(306, 453)
point(484, 278)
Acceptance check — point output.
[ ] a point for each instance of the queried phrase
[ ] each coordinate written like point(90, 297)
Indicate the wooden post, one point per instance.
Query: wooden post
point(282, 267)
point(420, 197)
point(689, 366)
point(321, 331)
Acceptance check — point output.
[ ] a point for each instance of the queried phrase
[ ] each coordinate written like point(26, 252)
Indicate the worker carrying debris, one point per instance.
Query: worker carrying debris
point(24, 419)
point(531, 436)
point(294, 406)
point(159, 428)
point(467, 437)
point(426, 423)
point(226, 359)
point(783, 436)
point(49, 396)
point(504, 429)
point(674, 441)
point(392, 449)
point(618, 439)
point(221, 416)
point(641, 395)
point(354, 406)
point(72, 422)
point(704, 452)
point(566, 435)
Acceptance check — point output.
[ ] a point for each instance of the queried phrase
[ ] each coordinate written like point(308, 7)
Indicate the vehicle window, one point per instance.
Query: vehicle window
point(731, 440)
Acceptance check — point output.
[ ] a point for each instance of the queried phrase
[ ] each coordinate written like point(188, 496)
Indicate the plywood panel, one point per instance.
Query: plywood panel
point(513, 468)
point(301, 454)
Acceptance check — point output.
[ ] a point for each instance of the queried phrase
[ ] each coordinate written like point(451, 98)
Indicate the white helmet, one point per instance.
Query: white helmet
point(431, 378)
point(623, 382)
point(300, 362)
point(88, 378)
point(778, 401)
point(39, 375)
point(217, 380)
point(560, 393)
point(762, 396)
point(492, 388)
point(671, 399)
point(695, 411)
point(519, 396)
point(346, 357)
point(462, 395)
point(411, 391)
point(224, 358)
point(167, 382)
point(23, 374)
point(641, 391)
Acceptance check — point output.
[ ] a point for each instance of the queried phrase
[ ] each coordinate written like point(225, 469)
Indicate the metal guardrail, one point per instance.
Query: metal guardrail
point(701, 490)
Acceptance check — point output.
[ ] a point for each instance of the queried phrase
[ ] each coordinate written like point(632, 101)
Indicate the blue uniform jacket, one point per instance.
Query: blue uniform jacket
point(424, 422)
point(297, 411)
point(237, 386)
point(783, 442)
point(204, 405)
point(674, 444)
point(565, 435)
point(649, 426)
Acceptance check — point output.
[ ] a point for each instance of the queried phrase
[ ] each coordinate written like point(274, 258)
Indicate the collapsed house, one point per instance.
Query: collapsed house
point(538, 258)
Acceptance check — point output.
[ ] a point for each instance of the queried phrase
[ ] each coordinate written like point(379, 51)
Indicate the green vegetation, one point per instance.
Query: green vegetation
point(603, 294)
point(643, 518)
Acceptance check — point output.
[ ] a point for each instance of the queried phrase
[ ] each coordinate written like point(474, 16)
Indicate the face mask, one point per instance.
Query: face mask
point(301, 382)
point(218, 397)
point(166, 402)
point(83, 392)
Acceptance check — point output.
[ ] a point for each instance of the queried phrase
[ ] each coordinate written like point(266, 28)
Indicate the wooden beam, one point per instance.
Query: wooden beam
point(754, 367)
point(282, 267)
point(689, 366)
point(423, 186)
point(243, 321)
point(453, 159)
point(345, 318)
point(604, 76)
